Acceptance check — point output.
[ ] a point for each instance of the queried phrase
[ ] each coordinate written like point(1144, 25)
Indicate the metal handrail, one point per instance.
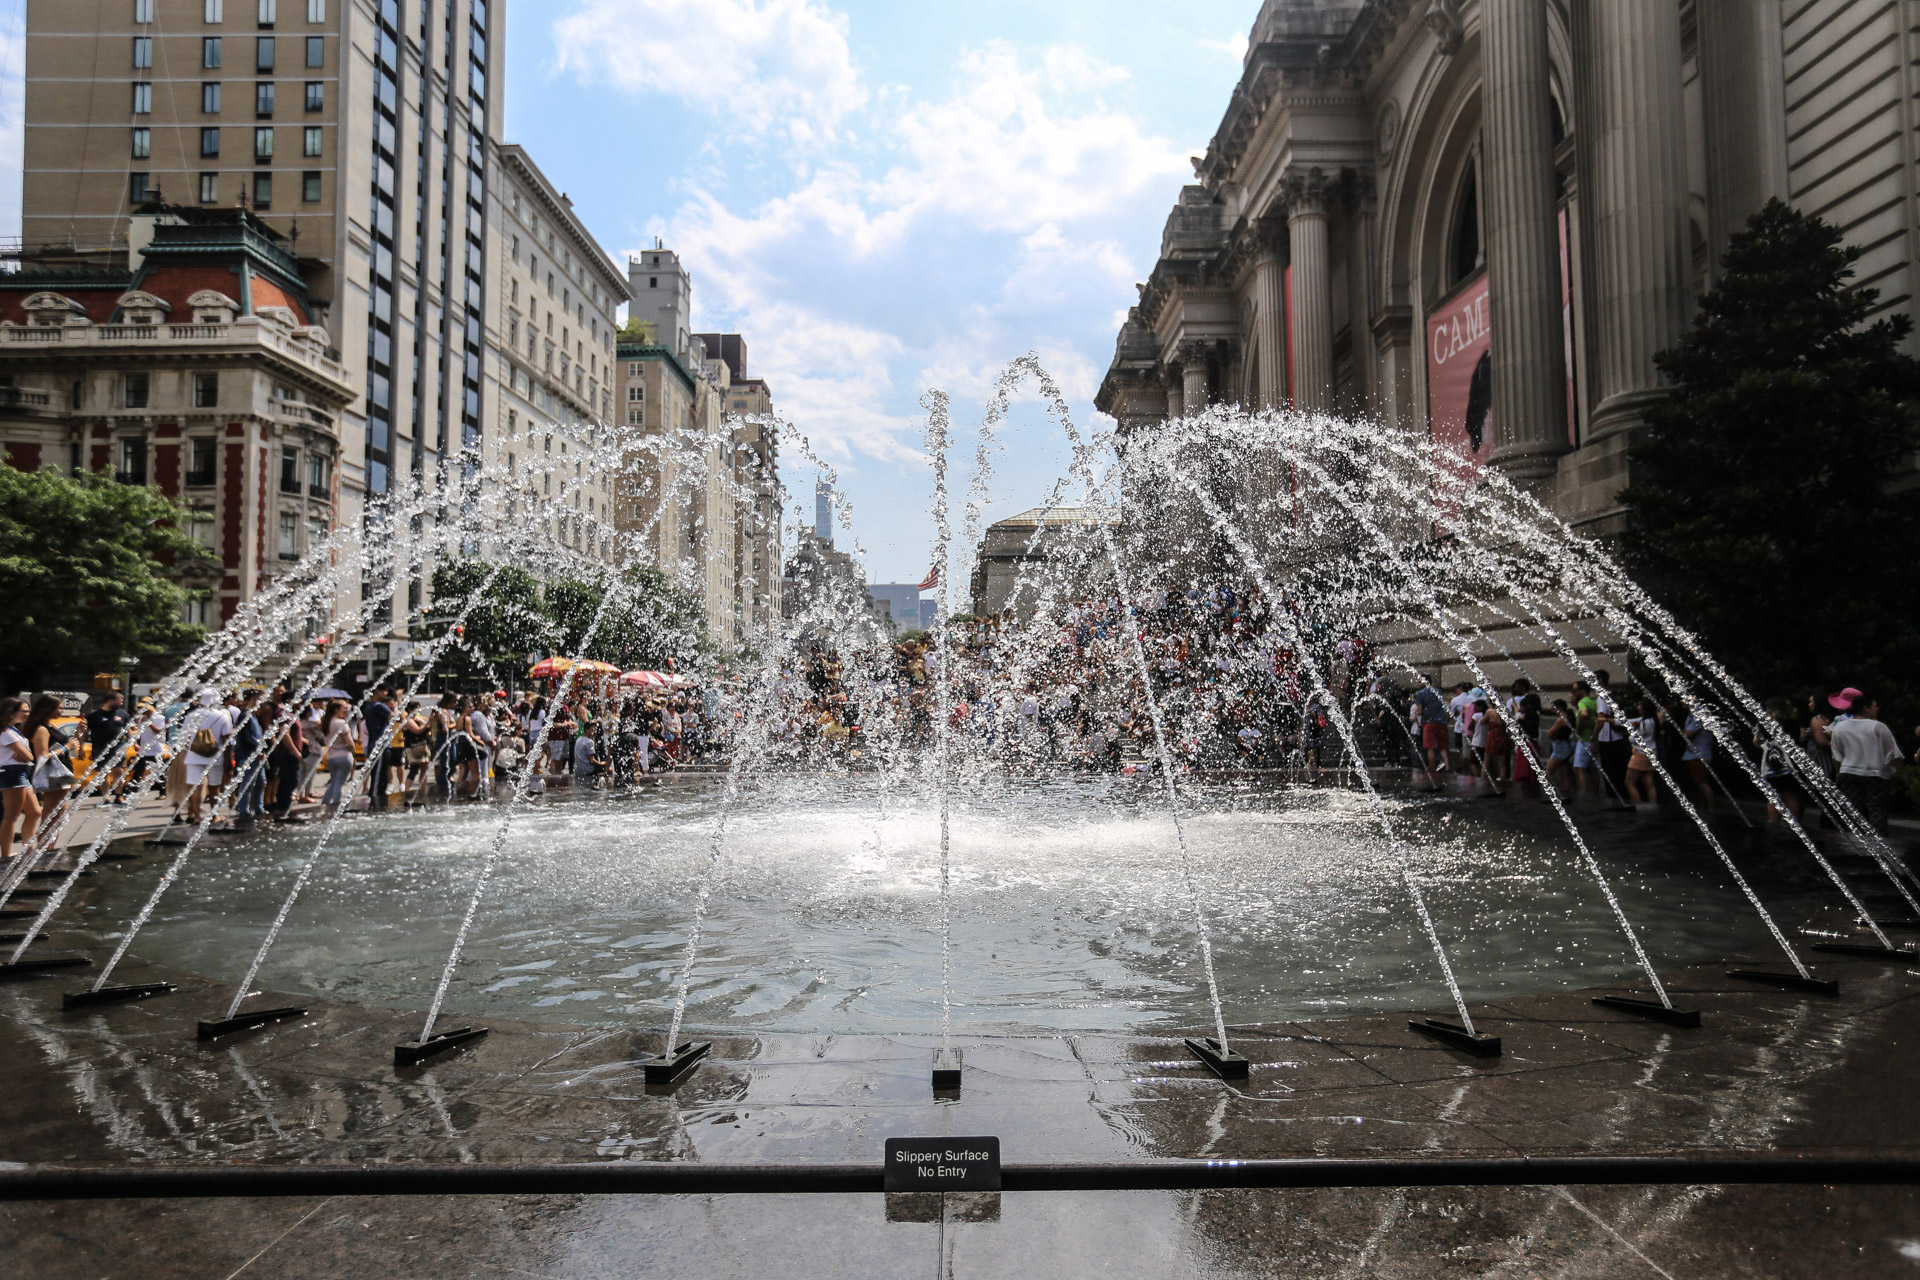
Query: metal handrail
point(1717, 1168)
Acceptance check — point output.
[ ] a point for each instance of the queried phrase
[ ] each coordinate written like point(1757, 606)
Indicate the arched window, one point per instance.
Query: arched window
point(1465, 259)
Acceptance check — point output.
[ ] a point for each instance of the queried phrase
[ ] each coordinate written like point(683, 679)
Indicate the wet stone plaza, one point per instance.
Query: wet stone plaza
point(1769, 1071)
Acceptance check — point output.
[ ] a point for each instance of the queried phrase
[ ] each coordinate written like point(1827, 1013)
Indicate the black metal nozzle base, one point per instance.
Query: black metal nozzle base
point(1788, 981)
point(946, 1071)
point(670, 1068)
point(15, 939)
point(1866, 950)
point(18, 913)
point(1455, 1036)
point(40, 964)
point(116, 995)
point(242, 1022)
point(414, 1052)
point(1650, 1009)
point(1224, 1063)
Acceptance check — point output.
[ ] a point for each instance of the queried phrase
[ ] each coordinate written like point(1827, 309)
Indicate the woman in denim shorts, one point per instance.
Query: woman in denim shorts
point(17, 800)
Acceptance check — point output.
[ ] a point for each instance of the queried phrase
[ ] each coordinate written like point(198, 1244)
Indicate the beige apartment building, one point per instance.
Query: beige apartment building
point(756, 484)
point(1480, 219)
point(357, 130)
point(550, 358)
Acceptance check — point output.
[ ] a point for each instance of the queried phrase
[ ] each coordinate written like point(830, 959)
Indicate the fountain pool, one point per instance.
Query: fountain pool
point(1068, 912)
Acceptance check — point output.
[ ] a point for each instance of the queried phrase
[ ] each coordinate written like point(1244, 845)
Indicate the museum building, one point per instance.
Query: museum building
point(1480, 220)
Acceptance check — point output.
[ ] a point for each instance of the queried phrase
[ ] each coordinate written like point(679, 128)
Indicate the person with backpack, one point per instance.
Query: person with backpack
point(206, 751)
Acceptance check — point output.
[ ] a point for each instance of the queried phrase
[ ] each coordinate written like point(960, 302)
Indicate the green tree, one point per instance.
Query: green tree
point(656, 622)
point(79, 571)
point(499, 626)
point(1764, 509)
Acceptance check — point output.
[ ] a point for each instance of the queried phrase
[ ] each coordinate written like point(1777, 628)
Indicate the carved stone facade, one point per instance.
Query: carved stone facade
point(1562, 172)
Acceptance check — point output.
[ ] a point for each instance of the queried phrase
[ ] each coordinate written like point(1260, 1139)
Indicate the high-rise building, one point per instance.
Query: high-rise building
point(756, 479)
point(551, 336)
point(663, 297)
point(823, 512)
point(358, 129)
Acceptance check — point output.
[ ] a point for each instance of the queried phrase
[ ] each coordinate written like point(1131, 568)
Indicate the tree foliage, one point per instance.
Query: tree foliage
point(1766, 509)
point(516, 616)
point(79, 569)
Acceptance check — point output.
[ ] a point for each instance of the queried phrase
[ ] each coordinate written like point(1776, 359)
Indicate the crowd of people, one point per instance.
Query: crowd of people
point(287, 754)
point(1236, 685)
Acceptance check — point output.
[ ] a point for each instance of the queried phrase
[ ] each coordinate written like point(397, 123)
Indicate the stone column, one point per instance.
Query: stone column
point(1633, 196)
point(1306, 196)
point(1523, 242)
point(1742, 105)
point(1270, 315)
point(1193, 377)
point(1170, 378)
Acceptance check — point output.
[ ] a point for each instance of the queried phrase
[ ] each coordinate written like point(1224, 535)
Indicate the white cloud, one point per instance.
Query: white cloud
point(926, 240)
point(1234, 46)
point(13, 82)
point(769, 65)
point(1020, 146)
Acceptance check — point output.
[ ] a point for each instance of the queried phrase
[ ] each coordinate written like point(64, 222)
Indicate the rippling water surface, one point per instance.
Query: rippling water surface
point(1069, 914)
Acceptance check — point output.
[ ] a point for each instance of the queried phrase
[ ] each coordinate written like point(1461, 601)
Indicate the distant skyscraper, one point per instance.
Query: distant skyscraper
point(823, 512)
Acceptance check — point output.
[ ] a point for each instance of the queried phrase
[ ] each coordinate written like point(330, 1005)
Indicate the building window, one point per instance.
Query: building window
point(210, 51)
point(134, 392)
point(143, 97)
point(316, 96)
point(201, 454)
point(289, 536)
point(216, 10)
point(316, 51)
point(198, 610)
point(209, 188)
point(310, 186)
point(263, 144)
point(133, 461)
point(263, 54)
point(143, 10)
point(206, 390)
point(143, 52)
point(209, 142)
point(315, 141)
point(263, 99)
point(137, 189)
point(262, 191)
point(210, 98)
point(637, 417)
point(289, 470)
point(319, 476)
point(143, 144)
point(267, 8)
point(636, 393)
point(316, 10)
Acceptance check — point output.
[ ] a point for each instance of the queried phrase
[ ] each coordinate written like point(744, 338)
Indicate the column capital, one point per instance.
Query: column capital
point(1306, 192)
point(1443, 19)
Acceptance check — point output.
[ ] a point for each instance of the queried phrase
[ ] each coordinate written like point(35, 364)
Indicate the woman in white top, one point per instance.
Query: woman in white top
point(336, 750)
point(17, 801)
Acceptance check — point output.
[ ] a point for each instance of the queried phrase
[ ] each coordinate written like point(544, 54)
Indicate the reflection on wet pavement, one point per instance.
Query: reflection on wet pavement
point(1770, 1070)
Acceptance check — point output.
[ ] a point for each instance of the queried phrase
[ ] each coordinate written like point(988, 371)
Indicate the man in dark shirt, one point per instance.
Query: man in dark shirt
point(104, 725)
point(378, 716)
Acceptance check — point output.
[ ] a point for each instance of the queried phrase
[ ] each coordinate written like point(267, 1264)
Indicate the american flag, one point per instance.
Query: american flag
point(932, 580)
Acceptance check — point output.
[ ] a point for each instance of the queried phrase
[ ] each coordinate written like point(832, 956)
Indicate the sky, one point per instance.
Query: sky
point(883, 197)
point(886, 198)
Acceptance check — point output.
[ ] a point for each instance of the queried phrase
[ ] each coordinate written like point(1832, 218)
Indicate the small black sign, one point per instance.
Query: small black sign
point(943, 1164)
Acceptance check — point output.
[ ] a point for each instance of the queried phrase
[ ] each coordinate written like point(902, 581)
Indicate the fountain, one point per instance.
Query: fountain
point(1178, 871)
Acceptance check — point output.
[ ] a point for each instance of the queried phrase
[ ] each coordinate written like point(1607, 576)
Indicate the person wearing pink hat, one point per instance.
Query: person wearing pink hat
point(1865, 754)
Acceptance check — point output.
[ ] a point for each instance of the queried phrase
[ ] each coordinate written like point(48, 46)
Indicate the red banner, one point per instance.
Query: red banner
point(1460, 373)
